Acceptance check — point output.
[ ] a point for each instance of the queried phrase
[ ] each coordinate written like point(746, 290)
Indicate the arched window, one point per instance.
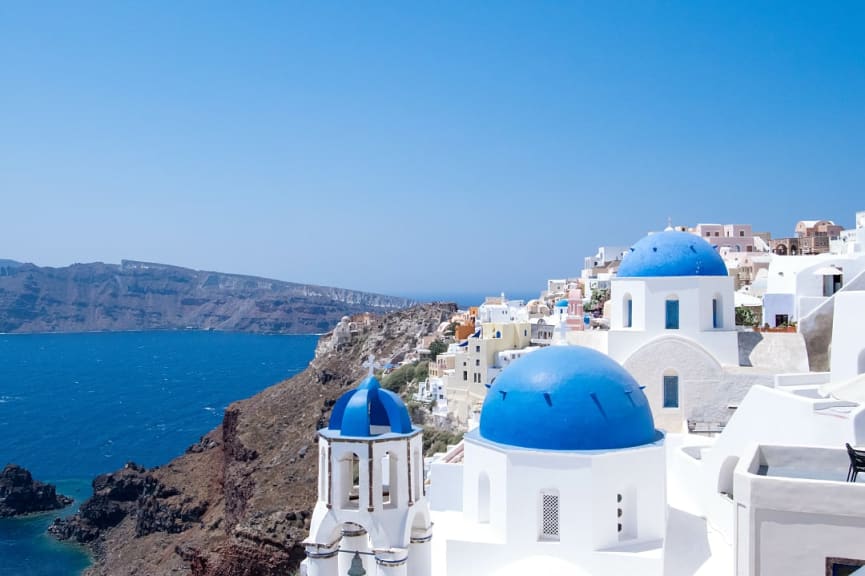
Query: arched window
point(349, 468)
point(549, 515)
point(672, 313)
point(322, 475)
point(417, 470)
point(717, 312)
point(389, 480)
point(483, 498)
point(627, 311)
point(671, 389)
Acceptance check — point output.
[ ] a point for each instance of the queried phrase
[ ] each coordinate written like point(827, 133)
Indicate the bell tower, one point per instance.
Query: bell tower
point(372, 513)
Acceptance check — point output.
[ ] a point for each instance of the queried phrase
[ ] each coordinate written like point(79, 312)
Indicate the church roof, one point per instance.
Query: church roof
point(367, 406)
point(672, 253)
point(567, 398)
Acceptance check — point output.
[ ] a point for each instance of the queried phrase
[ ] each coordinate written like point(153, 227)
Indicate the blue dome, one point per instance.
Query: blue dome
point(359, 410)
point(672, 253)
point(562, 304)
point(567, 398)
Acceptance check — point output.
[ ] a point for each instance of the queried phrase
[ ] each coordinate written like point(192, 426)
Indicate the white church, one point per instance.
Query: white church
point(672, 326)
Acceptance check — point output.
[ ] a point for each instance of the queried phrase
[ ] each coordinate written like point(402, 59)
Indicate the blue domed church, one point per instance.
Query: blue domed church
point(672, 325)
point(565, 475)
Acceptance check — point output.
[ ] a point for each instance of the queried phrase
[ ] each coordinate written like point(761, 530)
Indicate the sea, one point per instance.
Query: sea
point(73, 406)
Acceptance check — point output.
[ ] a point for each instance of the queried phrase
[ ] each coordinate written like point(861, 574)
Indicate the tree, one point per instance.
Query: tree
point(451, 329)
point(597, 301)
point(436, 348)
point(745, 316)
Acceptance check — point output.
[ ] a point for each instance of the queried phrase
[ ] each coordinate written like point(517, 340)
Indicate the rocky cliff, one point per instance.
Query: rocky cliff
point(21, 494)
point(146, 296)
point(238, 502)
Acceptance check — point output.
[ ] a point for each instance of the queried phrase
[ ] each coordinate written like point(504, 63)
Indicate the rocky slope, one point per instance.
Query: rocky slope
point(238, 502)
point(21, 494)
point(145, 296)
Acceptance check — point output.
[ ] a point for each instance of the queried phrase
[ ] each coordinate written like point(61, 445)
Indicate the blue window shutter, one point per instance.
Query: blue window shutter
point(672, 315)
point(671, 391)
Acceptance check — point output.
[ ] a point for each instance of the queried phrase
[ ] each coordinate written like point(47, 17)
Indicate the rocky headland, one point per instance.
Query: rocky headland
point(238, 502)
point(147, 296)
point(20, 494)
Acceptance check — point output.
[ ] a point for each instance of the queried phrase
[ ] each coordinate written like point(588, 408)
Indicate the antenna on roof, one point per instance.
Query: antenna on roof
point(669, 224)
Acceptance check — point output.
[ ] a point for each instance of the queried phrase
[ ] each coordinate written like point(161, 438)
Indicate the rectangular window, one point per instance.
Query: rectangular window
point(716, 314)
point(549, 516)
point(629, 314)
point(671, 391)
point(672, 315)
point(477, 361)
point(742, 233)
point(477, 348)
point(465, 375)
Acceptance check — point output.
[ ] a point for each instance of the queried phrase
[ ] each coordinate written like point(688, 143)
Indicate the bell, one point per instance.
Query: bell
point(356, 568)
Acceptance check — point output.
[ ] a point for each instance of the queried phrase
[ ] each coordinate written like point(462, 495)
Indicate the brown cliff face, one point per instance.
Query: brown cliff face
point(146, 296)
point(237, 503)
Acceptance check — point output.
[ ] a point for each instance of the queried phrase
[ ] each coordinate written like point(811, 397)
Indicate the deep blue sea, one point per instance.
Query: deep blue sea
point(76, 405)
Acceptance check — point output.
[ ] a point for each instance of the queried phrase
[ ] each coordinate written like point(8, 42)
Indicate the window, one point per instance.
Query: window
point(717, 321)
point(717, 234)
point(389, 481)
point(465, 375)
point(671, 391)
point(742, 233)
point(628, 320)
point(350, 481)
point(672, 320)
point(483, 498)
point(843, 566)
point(549, 515)
point(708, 233)
point(477, 361)
point(477, 348)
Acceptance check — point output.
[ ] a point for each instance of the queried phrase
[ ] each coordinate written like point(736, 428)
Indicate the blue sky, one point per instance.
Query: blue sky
point(407, 147)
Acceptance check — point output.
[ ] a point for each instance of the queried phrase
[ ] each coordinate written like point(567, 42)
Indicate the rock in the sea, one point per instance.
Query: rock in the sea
point(21, 494)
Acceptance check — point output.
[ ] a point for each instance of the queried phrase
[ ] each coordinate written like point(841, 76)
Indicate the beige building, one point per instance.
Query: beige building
point(479, 361)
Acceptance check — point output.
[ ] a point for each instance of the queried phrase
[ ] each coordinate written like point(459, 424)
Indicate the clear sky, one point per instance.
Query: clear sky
point(405, 147)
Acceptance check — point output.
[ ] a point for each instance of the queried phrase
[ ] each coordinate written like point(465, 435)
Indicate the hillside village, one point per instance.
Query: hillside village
point(681, 407)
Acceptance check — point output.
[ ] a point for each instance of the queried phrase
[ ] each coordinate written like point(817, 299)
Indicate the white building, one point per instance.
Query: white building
point(851, 241)
point(776, 475)
point(797, 285)
point(547, 484)
point(672, 326)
